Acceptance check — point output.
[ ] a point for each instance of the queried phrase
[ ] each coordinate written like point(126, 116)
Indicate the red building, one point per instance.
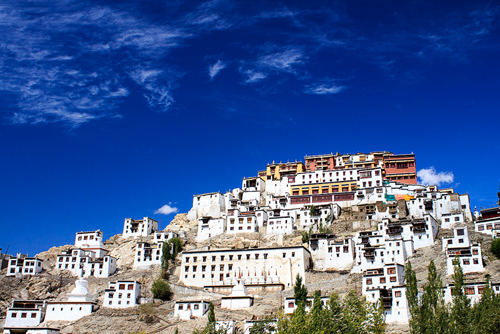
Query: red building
point(320, 162)
point(401, 168)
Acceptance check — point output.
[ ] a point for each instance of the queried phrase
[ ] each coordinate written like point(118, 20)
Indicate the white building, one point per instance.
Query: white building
point(460, 248)
point(86, 263)
point(147, 254)
point(210, 227)
point(78, 305)
point(25, 314)
point(239, 298)
point(241, 224)
point(449, 220)
point(331, 254)
point(289, 304)
point(139, 228)
point(280, 225)
point(258, 267)
point(189, 309)
point(24, 266)
point(207, 205)
point(473, 290)
point(31, 330)
point(387, 285)
point(89, 240)
point(250, 323)
point(229, 326)
point(122, 294)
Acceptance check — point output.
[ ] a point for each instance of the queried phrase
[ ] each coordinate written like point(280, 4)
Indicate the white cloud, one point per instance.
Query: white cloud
point(282, 61)
point(429, 176)
point(167, 209)
point(323, 89)
point(214, 69)
point(253, 76)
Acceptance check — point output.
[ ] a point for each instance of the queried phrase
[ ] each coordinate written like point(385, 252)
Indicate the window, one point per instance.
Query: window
point(470, 290)
point(265, 256)
point(466, 262)
point(291, 304)
point(196, 306)
point(460, 232)
point(121, 287)
point(475, 261)
point(397, 294)
point(368, 281)
point(284, 255)
point(393, 279)
point(131, 287)
point(382, 280)
point(24, 315)
point(13, 315)
point(181, 307)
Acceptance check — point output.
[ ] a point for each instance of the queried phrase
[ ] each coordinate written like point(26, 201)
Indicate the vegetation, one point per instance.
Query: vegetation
point(429, 313)
point(300, 291)
point(169, 254)
point(161, 289)
point(147, 313)
point(305, 237)
point(354, 315)
point(210, 328)
point(495, 247)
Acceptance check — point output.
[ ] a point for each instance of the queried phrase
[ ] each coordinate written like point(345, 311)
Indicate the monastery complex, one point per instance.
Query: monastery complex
point(356, 213)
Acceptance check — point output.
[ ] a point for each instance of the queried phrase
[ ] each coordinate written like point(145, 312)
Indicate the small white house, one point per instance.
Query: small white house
point(290, 305)
point(473, 291)
point(31, 330)
point(228, 326)
point(139, 228)
point(449, 220)
point(122, 294)
point(329, 253)
point(280, 225)
point(188, 309)
point(93, 239)
point(147, 254)
point(250, 323)
point(78, 305)
point(25, 313)
point(24, 266)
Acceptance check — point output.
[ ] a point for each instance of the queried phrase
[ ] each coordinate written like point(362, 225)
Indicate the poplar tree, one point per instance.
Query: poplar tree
point(461, 309)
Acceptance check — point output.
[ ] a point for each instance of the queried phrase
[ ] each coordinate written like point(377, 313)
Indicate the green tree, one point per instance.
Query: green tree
point(434, 315)
point(300, 291)
point(161, 289)
point(165, 257)
point(461, 309)
point(495, 247)
point(312, 211)
point(177, 245)
point(412, 298)
point(266, 325)
point(305, 237)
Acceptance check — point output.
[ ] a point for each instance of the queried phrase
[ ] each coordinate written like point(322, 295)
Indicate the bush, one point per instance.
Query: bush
point(495, 247)
point(161, 289)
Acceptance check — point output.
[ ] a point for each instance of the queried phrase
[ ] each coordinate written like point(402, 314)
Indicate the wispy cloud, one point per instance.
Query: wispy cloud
point(214, 69)
point(253, 76)
point(167, 209)
point(282, 61)
point(323, 88)
point(62, 62)
point(429, 176)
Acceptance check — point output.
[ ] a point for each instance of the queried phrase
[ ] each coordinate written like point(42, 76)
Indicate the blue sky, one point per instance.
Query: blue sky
point(113, 109)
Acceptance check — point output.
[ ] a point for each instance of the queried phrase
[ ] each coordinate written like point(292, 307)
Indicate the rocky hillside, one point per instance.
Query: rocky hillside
point(50, 285)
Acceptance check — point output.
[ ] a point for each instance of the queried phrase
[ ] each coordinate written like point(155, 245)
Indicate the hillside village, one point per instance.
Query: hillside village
point(339, 221)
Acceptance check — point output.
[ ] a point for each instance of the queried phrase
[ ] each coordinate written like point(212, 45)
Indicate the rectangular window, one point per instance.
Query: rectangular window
point(397, 294)
point(368, 281)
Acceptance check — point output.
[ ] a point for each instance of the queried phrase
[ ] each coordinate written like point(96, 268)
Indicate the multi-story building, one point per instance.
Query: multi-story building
point(401, 168)
point(386, 284)
point(139, 228)
point(459, 248)
point(86, 263)
point(24, 266)
point(122, 294)
point(219, 270)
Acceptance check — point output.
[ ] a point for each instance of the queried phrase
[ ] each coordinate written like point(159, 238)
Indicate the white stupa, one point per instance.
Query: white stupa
point(80, 293)
point(239, 297)
point(78, 305)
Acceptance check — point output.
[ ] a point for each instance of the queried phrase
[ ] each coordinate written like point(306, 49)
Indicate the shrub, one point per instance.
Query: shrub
point(495, 247)
point(161, 289)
